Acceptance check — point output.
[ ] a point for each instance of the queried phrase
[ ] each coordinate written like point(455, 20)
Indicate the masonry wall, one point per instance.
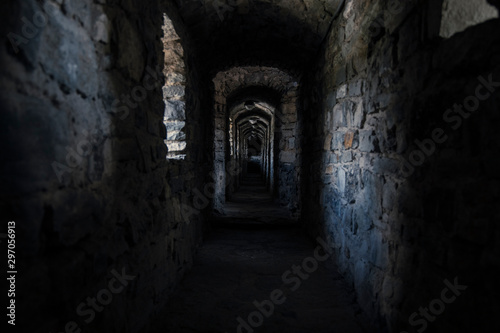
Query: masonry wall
point(289, 153)
point(386, 79)
point(84, 173)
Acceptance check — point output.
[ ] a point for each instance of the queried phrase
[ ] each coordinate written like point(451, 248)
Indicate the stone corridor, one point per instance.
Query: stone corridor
point(166, 163)
point(253, 203)
point(244, 259)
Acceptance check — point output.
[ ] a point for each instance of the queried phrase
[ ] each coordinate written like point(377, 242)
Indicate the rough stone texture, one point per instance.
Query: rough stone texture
point(174, 91)
point(117, 202)
point(386, 81)
point(458, 15)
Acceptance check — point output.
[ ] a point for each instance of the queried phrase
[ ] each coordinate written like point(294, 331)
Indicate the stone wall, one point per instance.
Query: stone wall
point(407, 189)
point(84, 169)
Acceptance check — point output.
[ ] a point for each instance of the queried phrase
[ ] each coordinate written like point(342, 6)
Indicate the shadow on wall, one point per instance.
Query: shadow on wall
point(85, 173)
point(455, 232)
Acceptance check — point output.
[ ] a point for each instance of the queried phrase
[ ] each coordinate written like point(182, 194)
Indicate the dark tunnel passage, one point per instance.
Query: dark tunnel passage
point(250, 165)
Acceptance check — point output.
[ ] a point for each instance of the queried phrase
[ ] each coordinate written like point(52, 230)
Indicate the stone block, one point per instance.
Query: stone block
point(327, 145)
point(348, 111)
point(176, 136)
point(175, 110)
point(101, 29)
point(355, 88)
point(175, 145)
point(174, 78)
point(287, 157)
point(338, 117)
point(173, 92)
point(329, 169)
point(338, 139)
point(368, 141)
point(348, 140)
point(288, 109)
point(359, 116)
point(341, 180)
point(347, 157)
point(342, 91)
point(220, 135)
point(175, 125)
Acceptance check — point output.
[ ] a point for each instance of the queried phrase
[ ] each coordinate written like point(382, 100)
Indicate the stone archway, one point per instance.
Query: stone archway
point(234, 87)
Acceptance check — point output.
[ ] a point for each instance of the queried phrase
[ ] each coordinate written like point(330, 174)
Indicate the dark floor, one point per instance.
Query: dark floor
point(252, 204)
point(241, 262)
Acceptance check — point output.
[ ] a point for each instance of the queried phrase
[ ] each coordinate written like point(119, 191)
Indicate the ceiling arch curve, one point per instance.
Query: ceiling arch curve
point(258, 31)
point(234, 82)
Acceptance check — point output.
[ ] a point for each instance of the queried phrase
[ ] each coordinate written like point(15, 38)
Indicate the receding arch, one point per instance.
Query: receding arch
point(271, 91)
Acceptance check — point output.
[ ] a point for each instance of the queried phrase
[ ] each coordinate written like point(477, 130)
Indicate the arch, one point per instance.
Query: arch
point(281, 30)
point(246, 124)
point(273, 94)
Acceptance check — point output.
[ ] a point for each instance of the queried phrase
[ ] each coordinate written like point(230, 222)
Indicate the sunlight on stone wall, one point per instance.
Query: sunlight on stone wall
point(459, 15)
